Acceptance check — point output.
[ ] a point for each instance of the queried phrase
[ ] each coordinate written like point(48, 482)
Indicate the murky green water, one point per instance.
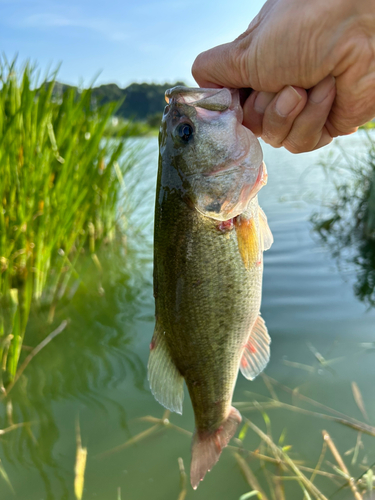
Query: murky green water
point(95, 371)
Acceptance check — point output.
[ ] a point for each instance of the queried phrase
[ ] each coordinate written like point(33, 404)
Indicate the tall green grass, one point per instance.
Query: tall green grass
point(60, 183)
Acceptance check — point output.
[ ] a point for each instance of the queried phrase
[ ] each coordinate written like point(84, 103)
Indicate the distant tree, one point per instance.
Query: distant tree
point(139, 101)
point(108, 93)
point(154, 120)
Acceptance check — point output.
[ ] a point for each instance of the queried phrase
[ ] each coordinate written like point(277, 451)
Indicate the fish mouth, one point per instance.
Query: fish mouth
point(210, 99)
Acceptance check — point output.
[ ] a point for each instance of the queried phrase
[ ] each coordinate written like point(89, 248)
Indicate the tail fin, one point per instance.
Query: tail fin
point(207, 447)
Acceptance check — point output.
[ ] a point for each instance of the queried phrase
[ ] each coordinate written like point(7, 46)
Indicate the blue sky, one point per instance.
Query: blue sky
point(125, 41)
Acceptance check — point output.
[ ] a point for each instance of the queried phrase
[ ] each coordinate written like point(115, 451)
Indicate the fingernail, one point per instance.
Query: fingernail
point(287, 101)
point(321, 91)
point(262, 100)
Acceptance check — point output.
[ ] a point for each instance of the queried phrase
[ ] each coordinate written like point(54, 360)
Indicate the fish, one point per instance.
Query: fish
point(209, 237)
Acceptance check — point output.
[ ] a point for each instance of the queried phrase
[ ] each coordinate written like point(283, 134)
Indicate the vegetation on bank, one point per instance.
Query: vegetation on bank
point(346, 222)
point(60, 185)
point(120, 128)
point(369, 125)
point(140, 103)
point(353, 206)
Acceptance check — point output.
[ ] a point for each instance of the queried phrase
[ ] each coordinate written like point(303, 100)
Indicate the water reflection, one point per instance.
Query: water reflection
point(365, 262)
point(352, 251)
point(348, 226)
point(79, 368)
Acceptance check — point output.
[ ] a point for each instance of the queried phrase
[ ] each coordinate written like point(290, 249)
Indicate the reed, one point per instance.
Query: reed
point(273, 464)
point(60, 183)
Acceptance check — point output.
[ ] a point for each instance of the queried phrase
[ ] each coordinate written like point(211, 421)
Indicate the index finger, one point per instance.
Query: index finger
point(221, 67)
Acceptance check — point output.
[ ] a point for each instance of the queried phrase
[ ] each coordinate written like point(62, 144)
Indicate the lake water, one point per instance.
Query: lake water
point(95, 371)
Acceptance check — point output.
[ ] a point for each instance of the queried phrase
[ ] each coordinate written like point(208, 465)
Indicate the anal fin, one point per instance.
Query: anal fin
point(166, 382)
point(256, 353)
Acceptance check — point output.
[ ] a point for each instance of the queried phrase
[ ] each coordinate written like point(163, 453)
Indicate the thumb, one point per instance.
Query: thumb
point(221, 66)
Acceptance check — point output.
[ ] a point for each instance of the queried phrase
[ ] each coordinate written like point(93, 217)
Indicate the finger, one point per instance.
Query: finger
point(221, 66)
point(325, 139)
point(355, 99)
point(280, 113)
point(308, 129)
point(336, 128)
point(253, 110)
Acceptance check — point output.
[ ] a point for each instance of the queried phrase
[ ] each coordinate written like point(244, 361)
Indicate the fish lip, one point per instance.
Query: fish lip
point(201, 97)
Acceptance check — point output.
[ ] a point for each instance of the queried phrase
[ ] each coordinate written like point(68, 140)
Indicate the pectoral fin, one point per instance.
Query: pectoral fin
point(248, 241)
point(254, 237)
point(256, 352)
point(264, 230)
point(166, 382)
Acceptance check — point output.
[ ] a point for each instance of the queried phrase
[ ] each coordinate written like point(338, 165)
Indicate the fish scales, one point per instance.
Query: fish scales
point(209, 238)
point(205, 294)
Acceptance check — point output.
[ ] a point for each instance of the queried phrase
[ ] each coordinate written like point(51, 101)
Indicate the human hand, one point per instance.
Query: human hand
point(327, 47)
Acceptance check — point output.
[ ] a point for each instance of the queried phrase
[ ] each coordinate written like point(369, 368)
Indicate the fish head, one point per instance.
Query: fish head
point(219, 162)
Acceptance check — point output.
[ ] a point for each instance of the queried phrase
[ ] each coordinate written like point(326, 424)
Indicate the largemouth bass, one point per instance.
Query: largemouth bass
point(210, 234)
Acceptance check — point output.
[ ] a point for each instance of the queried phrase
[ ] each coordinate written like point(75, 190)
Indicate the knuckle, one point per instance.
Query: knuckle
point(274, 135)
point(240, 60)
point(271, 140)
point(245, 60)
point(295, 147)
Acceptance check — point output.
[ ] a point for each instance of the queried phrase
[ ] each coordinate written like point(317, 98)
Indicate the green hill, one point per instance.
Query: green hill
point(139, 101)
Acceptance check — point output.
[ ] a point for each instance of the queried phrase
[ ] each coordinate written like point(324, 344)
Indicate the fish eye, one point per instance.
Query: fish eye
point(185, 131)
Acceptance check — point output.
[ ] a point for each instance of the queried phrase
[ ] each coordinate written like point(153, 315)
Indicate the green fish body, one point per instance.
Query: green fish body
point(209, 239)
